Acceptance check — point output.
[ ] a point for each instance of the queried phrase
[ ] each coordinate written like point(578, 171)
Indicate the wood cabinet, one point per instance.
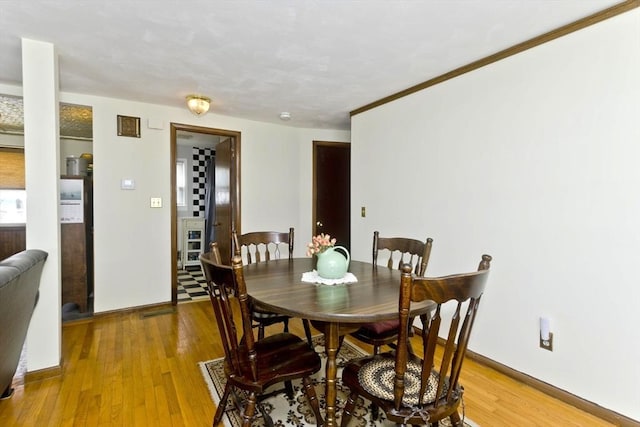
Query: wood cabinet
point(12, 240)
point(77, 251)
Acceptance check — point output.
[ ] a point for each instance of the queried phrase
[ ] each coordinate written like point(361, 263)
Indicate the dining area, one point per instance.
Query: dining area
point(384, 304)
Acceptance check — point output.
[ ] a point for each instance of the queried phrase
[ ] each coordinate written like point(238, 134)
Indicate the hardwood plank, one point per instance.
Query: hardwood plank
point(125, 369)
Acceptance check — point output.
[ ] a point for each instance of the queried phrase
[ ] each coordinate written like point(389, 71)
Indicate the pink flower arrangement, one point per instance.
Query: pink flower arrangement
point(319, 244)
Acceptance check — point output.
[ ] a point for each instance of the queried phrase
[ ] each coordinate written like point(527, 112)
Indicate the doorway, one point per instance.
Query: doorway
point(332, 190)
point(227, 192)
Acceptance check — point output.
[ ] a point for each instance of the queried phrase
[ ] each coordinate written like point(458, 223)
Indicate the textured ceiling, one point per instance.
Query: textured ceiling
point(317, 60)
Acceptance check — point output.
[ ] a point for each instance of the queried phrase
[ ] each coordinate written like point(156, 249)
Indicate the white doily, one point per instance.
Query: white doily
point(313, 277)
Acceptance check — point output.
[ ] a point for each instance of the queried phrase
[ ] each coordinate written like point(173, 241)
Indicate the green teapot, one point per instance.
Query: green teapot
point(332, 264)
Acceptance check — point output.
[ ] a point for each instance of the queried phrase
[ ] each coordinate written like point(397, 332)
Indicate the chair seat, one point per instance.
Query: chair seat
point(377, 375)
point(380, 328)
point(266, 318)
point(266, 315)
point(280, 357)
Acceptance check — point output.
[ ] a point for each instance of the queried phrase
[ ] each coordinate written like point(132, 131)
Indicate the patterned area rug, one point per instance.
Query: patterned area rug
point(297, 412)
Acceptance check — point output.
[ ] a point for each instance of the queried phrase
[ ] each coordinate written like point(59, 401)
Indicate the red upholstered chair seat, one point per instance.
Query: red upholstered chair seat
point(382, 327)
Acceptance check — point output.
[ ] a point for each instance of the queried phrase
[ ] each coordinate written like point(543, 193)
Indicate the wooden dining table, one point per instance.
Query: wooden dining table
point(334, 309)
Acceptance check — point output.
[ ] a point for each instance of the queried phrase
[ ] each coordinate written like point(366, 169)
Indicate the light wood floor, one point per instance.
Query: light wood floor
point(128, 370)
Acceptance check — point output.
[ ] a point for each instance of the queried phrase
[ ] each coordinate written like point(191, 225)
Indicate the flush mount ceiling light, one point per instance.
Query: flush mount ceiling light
point(198, 104)
point(285, 116)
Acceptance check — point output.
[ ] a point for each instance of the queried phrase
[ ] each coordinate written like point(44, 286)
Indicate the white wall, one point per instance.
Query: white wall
point(534, 161)
point(8, 140)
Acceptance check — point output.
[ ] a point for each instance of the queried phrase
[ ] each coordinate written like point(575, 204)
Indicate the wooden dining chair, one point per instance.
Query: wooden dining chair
point(410, 389)
point(263, 246)
point(252, 366)
point(401, 250)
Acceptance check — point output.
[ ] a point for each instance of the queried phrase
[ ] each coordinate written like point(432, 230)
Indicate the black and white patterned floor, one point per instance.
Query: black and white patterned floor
point(191, 284)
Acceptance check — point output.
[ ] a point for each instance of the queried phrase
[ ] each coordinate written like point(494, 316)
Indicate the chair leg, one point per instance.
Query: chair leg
point(286, 325)
point(313, 399)
point(261, 331)
point(288, 389)
point(375, 411)
point(307, 332)
point(249, 410)
point(347, 412)
point(222, 405)
point(455, 419)
point(268, 421)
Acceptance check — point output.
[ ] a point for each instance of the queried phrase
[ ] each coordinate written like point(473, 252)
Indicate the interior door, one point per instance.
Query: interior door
point(223, 223)
point(332, 190)
point(227, 194)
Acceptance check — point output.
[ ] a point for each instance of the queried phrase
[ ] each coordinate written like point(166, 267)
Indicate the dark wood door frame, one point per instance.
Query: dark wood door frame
point(234, 184)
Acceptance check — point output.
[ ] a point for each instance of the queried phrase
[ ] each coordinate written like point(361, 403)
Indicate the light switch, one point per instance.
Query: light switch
point(156, 202)
point(363, 212)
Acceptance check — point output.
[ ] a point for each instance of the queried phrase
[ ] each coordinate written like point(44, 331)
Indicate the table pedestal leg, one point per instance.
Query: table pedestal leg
point(332, 339)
